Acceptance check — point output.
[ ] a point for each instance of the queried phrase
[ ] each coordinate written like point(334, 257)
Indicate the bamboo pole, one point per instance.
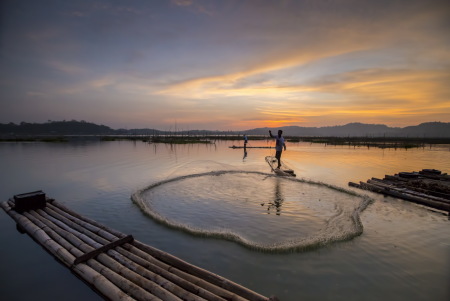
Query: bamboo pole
point(415, 199)
point(112, 254)
point(218, 290)
point(65, 212)
point(79, 227)
point(162, 274)
point(80, 235)
point(151, 264)
point(37, 219)
point(111, 263)
point(198, 281)
point(201, 273)
point(126, 285)
point(136, 278)
point(99, 282)
point(85, 219)
point(106, 266)
point(407, 190)
point(159, 279)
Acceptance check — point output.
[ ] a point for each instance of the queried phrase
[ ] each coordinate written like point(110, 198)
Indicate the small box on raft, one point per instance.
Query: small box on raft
point(29, 201)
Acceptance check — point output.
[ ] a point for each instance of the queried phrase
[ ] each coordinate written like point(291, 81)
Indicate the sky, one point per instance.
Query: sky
point(225, 65)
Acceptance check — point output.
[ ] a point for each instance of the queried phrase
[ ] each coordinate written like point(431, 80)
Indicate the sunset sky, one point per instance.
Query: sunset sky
point(225, 65)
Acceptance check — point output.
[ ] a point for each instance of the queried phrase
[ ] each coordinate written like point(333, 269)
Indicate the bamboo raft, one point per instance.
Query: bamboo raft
point(283, 171)
point(241, 147)
point(115, 265)
point(427, 187)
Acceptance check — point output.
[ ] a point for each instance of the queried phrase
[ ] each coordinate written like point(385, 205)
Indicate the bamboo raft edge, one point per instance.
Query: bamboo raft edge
point(404, 186)
point(116, 265)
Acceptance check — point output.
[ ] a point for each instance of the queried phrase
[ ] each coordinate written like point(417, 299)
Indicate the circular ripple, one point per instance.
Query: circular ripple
point(257, 210)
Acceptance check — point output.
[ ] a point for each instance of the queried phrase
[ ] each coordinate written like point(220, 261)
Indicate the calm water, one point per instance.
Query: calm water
point(402, 254)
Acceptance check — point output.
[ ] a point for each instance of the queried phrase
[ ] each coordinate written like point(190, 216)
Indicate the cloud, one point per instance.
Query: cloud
point(233, 63)
point(182, 2)
point(67, 68)
point(196, 6)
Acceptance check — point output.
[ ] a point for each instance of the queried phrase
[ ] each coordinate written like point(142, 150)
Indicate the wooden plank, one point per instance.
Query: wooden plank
point(92, 254)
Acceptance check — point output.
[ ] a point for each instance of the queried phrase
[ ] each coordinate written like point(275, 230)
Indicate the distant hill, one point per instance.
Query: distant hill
point(424, 130)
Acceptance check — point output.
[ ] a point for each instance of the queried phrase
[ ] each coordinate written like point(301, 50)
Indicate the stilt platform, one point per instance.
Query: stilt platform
point(115, 265)
point(429, 187)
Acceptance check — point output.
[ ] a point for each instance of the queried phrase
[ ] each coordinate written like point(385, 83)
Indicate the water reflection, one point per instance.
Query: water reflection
point(278, 199)
point(245, 152)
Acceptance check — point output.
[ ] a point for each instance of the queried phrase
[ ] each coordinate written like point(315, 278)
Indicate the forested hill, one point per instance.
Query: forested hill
point(424, 130)
point(55, 128)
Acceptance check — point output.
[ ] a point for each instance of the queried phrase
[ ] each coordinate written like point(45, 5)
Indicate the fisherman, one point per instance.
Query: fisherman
point(245, 139)
point(279, 145)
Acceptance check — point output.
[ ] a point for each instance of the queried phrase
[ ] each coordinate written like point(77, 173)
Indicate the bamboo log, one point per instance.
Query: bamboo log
point(114, 266)
point(395, 178)
point(36, 218)
point(163, 269)
point(85, 219)
point(408, 191)
point(84, 237)
point(80, 240)
point(95, 279)
point(402, 184)
point(68, 223)
point(415, 199)
point(441, 177)
point(433, 193)
point(196, 281)
point(91, 235)
point(93, 228)
point(201, 273)
point(105, 265)
point(100, 283)
point(164, 276)
point(217, 290)
point(126, 285)
point(137, 279)
point(141, 267)
point(352, 184)
point(86, 273)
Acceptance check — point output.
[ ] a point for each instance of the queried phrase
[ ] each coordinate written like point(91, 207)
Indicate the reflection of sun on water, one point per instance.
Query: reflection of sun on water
point(258, 210)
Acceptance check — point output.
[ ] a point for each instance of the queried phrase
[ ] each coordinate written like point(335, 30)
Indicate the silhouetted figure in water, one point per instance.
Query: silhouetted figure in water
point(279, 145)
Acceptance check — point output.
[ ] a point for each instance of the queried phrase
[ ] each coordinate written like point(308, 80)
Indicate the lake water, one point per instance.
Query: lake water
point(298, 240)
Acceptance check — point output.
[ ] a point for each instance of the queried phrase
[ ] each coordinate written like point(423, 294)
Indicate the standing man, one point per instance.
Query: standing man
point(279, 145)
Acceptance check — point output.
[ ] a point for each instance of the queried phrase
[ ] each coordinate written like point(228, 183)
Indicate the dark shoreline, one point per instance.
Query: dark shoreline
point(380, 142)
